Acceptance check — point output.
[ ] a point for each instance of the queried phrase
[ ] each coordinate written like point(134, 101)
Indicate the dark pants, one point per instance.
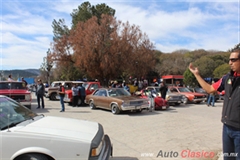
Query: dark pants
point(231, 143)
point(38, 100)
point(82, 100)
point(75, 101)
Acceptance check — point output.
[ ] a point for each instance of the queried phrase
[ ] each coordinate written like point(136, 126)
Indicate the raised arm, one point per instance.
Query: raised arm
point(207, 87)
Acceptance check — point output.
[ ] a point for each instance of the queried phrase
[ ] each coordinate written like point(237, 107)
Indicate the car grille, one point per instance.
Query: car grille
point(199, 97)
point(135, 103)
point(17, 97)
point(175, 97)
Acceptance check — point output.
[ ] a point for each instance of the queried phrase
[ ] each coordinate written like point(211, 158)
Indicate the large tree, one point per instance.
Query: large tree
point(62, 53)
point(107, 48)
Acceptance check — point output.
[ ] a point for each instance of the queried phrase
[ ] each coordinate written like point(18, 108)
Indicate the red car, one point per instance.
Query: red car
point(89, 86)
point(159, 102)
point(17, 91)
point(191, 96)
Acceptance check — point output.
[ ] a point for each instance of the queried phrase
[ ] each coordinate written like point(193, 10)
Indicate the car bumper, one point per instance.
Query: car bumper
point(174, 101)
point(129, 108)
point(106, 151)
point(25, 103)
point(199, 100)
point(161, 107)
point(47, 95)
point(68, 100)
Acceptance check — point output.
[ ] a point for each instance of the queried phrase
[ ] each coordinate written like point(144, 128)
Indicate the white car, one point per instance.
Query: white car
point(26, 135)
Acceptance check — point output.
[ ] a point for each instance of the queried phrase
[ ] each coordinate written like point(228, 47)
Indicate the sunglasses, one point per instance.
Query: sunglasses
point(233, 59)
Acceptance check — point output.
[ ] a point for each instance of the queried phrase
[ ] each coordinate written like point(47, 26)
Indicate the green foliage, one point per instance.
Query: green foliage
point(189, 78)
point(59, 29)
point(86, 11)
point(221, 70)
point(205, 66)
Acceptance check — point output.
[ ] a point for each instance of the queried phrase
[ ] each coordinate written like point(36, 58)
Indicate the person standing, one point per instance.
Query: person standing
point(10, 78)
point(24, 82)
point(82, 92)
point(61, 96)
point(231, 106)
point(74, 95)
point(163, 90)
point(40, 93)
point(211, 99)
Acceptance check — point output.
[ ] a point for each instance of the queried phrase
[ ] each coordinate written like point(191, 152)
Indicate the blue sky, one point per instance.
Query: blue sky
point(26, 31)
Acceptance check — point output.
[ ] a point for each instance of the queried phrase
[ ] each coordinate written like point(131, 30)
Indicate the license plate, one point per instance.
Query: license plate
point(164, 107)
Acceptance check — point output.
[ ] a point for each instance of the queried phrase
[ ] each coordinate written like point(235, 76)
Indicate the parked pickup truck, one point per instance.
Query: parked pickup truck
point(17, 91)
point(89, 86)
point(52, 91)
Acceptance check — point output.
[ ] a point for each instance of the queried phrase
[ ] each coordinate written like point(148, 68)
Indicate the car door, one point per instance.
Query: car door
point(103, 98)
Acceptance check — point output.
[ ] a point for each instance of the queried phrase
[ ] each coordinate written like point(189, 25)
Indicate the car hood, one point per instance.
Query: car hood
point(14, 91)
point(192, 93)
point(59, 127)
point(128, 98)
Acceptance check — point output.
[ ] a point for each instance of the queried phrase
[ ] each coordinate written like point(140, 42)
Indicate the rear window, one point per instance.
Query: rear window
point(12, 85)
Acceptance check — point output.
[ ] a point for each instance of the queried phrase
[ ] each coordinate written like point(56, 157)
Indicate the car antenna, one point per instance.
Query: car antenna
point(8, 109)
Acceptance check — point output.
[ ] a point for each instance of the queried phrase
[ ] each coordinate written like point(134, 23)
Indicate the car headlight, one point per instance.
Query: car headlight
point(28, 97)
point(125, 103)
point(169, 97)
point(96, 151)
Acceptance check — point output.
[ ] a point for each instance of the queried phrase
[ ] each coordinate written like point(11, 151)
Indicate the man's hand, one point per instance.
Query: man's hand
point(194, 70)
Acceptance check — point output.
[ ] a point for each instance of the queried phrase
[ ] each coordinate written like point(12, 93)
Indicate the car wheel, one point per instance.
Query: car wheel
point(115, 109)
point(53, 96)
point(92, 105)
point(79, 102)
point(139, 110)
point(28, 106)
point(185, 100)
point(32, 157)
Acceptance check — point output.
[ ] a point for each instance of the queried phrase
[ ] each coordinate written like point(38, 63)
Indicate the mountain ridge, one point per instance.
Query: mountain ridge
point(17, 73)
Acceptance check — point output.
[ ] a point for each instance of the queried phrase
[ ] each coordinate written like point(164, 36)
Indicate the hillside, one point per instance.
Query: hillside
point(27, 73)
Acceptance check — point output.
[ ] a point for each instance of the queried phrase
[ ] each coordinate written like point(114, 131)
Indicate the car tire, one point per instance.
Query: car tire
point(92, 105)
point(29, 106)
point(32, 156)
point(139, 110)
point(115, 109)
point(53, 96)
point(185, 100)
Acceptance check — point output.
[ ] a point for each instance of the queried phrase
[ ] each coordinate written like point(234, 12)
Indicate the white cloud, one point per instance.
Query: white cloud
point(26, 31)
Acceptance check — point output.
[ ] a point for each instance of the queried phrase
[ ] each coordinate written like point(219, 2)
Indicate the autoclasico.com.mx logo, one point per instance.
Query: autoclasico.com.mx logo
point(188, 154)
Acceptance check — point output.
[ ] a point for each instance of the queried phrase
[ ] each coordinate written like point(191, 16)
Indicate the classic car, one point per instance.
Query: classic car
point(172, 98)
point(159, 102)
point(116, 99)
point(200, 90)
point(191, 96)
point(90, 87)
point(17, 91)
point(26, 135)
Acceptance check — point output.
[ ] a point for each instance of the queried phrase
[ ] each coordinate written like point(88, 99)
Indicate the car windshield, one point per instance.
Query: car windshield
point(157, 89)
point(118, 92)
point(85, 85)
point(182, 89)
point(12, 113)
point(200, 90)
point(12, 85)
point(54, 84)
